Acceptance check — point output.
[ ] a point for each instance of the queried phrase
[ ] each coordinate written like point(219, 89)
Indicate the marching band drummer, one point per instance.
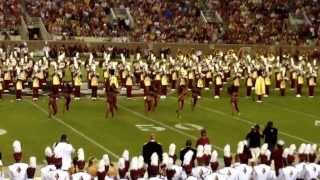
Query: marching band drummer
point(249, 85)
point(55, 84)
point(129, 84)
point(312, 84)
point(299, 84)
point(35, 88)
point(94, 82)
point(19, 88)
point(217, 85)
point(7, 80)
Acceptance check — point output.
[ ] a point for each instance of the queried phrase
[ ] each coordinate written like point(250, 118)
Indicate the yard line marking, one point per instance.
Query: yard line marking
point(75, 130)
point(252, 123)
point(164, 125)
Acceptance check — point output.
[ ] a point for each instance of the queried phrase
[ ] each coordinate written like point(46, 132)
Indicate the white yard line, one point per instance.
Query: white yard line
point(89, 139)
point(251, 122)
point(164, 125)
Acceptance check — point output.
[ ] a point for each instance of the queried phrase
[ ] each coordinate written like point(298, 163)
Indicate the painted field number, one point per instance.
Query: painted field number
point(150, 127)
point(188, 127)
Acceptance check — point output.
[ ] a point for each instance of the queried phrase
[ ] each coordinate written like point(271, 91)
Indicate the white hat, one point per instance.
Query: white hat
point(1, 164)
point(240, 147)
point(214, 156)
point(264, 149)
point(125, 155)
point(48, 152)
point(302, 148)
point(165, 158)
point(33, 162)
point(170, 163)
point(292, 149)
point(101, 166)
point(314, 148)
point(16, 146)
point(308, 148)
point(154, 159)
point(80, 153)
point(187, 158)
point(172, 149)
point(140, 162)
point(200, 151)
point(207, 149)
point(280, 142)
point(134, 164)
point(285, 153)
point(106, 159)
point(227, 151)
point(121, 163)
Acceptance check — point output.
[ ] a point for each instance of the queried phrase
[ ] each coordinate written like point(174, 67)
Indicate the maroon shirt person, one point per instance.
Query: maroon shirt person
point(203, 140)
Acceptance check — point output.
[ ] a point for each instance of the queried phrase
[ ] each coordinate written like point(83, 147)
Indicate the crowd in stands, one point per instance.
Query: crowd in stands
point(236, 22)
point(265, 162)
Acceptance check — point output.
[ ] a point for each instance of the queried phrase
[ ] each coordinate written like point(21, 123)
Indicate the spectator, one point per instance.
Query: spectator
point(151, 147)
point(253, 137)
point(270, 135)
point(186, 149)
point(203, 140)
point(64, 150)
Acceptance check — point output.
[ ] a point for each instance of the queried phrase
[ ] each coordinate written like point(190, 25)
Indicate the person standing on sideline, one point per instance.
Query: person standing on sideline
point(64, 150)
point(151, 147)
point(203, 140)
point(270, 135)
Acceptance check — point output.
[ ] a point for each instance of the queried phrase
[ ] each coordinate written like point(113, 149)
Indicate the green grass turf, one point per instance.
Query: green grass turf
point(27, 122)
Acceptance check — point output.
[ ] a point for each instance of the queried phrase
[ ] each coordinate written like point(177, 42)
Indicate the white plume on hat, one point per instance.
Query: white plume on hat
point(101, 166)
point(188, 157)
point(48, 152)
point(80, 153)
point(140, 162)
point(200, 150)
point(292, 149)
point(134, 163)
point(125, 155)
point(172, 149)
point(207, 149)
point(302, 148)
point(33, 162)
point(264, 149)
point(227, 151)
point(16, 146)
point(1, 164)
point(106, 159)
point(154, 159)
point(121, 163)
point(240, 147)
point(214, 156)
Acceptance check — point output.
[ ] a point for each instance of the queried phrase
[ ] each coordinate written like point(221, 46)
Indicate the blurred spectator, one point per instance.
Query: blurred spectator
point(270, 135)
point(186, 149)
point(151, 147)
point(203, 140)
point(253, 137)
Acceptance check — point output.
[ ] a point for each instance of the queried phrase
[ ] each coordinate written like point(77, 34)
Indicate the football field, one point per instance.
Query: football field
point(86, 126)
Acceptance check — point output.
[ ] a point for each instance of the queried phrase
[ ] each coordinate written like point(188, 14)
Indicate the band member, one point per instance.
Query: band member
point(52, 105)
point(94, 86)
point(249, 84)
point(7, 80)
point(35, 88)
point(174, 78)
point(55, 84)
point(150, 102)
point(67, 97)
point(164, 85)
point(77, 86)
point(311, 85)
point(190, 79)
point(217, 86)
point(268, 84)
point(234, 100)
point(200, 84)
point(182, 85)
point(111, 100)
point(260, 87)
point(236, 83)
point(181, 99)
point(19, 87)
point(157, 83)
point(195, 96)
point(293, 78)
point(208, 80)
point(129, 84)
point(278, 80)
point(299, 85)
point(283, 87)
point(146, 85)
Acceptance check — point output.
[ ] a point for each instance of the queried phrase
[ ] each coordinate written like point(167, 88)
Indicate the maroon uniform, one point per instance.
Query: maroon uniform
point(195, 96)
point(181, 99)
point(67, 97)
point(234, 102)
point(53, 108)
point(111, 100)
